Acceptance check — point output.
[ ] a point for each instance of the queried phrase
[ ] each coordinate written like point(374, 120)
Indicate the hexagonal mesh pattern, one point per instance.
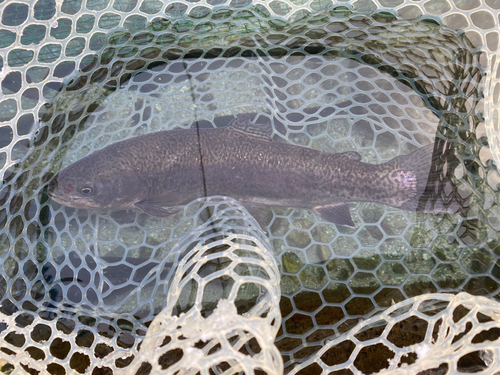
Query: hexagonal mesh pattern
point(238, 335)
point(223, 284)
point(436, 333)
point(380, 78)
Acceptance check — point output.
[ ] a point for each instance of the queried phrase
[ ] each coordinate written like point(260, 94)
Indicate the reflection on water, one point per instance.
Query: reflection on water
point(369, 87)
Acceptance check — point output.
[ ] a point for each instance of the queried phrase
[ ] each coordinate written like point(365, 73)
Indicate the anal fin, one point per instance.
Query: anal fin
point(337, 214)
point(263, 215)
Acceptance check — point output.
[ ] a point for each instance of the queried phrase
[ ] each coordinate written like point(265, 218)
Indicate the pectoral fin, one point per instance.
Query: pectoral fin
point(337, 214)
point(155, 208)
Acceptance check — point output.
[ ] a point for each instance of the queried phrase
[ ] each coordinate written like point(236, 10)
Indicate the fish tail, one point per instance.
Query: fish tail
point(433, 167)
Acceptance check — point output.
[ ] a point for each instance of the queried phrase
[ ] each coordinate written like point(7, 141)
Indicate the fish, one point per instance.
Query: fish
point(159, 172)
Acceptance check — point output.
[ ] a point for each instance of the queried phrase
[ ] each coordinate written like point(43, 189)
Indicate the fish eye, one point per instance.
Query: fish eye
point(87, 190)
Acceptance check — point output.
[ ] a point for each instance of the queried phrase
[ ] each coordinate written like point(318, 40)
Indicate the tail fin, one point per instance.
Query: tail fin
point(433, 166)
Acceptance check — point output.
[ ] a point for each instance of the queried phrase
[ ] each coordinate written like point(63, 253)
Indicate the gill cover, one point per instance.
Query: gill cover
point(104, 179)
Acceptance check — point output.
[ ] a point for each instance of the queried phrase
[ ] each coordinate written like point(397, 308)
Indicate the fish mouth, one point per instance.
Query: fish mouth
point(57, 195)
point(54, 193)
point(70, 201)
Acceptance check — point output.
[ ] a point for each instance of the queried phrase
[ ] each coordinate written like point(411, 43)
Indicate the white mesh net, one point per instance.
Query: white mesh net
point(431, 334)
point(79, 291)
point(192, 342)
point(224, 294)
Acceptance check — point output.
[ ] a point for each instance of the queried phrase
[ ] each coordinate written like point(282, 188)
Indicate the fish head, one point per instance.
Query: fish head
point(97, 182)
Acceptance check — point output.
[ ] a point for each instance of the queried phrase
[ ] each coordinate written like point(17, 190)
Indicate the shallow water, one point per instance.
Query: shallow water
point(339, 81)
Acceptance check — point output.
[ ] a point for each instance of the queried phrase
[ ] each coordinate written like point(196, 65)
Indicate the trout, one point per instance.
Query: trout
point(158, 172)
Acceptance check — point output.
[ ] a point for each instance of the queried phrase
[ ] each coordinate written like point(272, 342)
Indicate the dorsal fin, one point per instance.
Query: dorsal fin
point(243, 124)
point(351, 155)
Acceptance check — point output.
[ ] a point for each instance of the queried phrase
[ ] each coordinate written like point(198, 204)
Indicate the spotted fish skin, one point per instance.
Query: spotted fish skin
point(158, 172)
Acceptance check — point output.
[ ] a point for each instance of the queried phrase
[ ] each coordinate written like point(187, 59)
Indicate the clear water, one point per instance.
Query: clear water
point(335, 81)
